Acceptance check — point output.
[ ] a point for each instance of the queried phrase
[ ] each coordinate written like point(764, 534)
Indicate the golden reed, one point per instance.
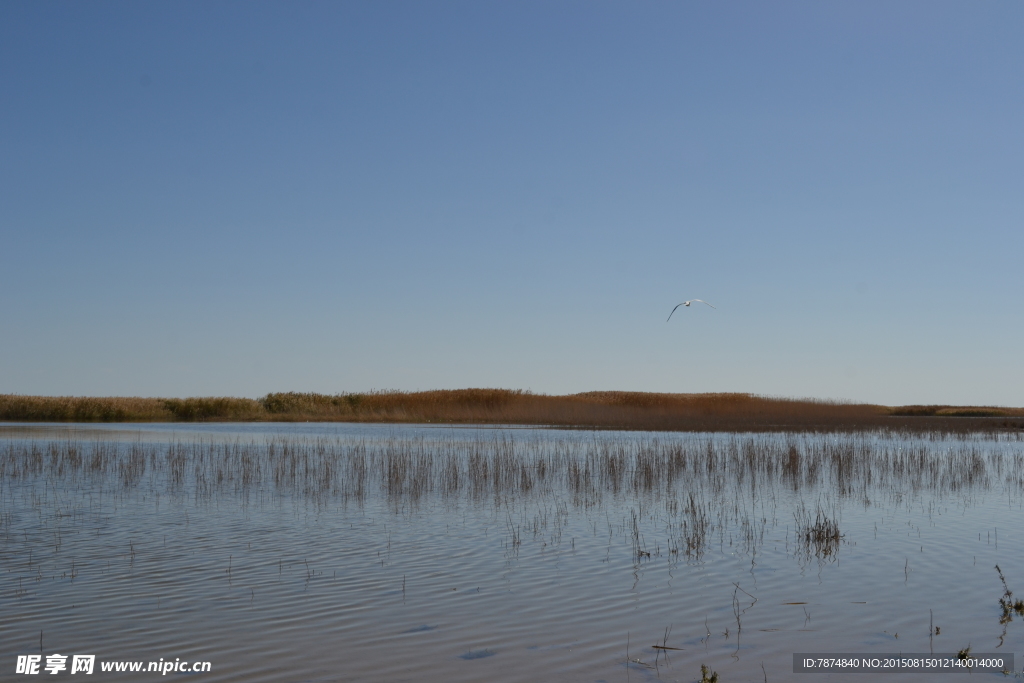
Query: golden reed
point(596, 409)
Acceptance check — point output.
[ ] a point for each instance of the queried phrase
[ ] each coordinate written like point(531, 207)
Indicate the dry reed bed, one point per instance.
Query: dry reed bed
point(609, 409)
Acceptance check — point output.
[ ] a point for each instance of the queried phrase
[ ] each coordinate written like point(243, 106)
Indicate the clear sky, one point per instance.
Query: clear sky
point(233, 198)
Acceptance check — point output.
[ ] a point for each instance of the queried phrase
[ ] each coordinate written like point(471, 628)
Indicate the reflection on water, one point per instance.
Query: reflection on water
point(334, 552)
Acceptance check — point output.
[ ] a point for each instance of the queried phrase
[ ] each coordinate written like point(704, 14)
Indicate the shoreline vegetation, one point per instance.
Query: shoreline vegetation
point(730, 412)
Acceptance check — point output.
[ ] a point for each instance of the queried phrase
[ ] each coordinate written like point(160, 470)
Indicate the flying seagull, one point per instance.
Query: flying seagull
point(687, 303)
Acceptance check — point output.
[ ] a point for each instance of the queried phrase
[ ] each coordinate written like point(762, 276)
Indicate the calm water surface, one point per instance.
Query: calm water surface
point(328, 552)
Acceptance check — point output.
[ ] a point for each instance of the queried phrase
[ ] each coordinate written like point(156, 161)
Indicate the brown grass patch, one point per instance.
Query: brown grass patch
point(596, 409)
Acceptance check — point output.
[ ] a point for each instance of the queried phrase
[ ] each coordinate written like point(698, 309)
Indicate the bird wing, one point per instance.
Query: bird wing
point(704, 302)
point(673, 311)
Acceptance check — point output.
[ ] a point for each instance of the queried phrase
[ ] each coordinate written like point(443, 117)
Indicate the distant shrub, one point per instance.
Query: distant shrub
point(222, 408)
point(80, 409)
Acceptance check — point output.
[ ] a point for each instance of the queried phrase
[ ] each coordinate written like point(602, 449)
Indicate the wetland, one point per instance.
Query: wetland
point(344, 551)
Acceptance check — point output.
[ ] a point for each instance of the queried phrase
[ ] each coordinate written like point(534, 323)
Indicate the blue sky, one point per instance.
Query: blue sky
point(220, 198)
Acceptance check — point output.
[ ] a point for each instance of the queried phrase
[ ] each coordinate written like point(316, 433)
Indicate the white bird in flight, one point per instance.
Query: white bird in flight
point(687, 303)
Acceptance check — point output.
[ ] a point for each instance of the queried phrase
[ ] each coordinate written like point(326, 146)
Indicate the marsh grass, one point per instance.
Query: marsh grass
point(690, 472)
point(601, 409)
point(819, 537)
point(707, 675)
point(1007, 605)
point(679, 495)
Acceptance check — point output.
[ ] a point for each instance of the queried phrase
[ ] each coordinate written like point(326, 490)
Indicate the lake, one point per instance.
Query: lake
point(330, 552)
